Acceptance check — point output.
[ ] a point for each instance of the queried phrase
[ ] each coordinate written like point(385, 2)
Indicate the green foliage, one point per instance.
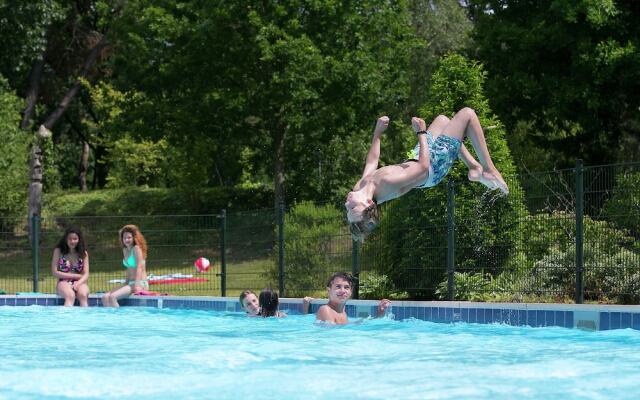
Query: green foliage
point(543, 232)
point(546, 265)
point(23, 29)
point(569, 70)
point(137, 163)
point(608, 273)
point(154, 201)
point(14, 179)
point(375, 286)
point(293, 82)
point(310, 247)
point(624, 206)
point(467, 287)
point(442, 26)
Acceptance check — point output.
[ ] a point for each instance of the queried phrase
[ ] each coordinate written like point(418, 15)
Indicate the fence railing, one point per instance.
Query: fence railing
point(564, 235)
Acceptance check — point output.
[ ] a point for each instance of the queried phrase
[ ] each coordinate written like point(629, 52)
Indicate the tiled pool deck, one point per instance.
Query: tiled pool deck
point(585, 316)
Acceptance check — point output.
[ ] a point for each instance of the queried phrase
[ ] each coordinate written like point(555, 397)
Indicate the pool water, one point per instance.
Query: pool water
point(146, 353)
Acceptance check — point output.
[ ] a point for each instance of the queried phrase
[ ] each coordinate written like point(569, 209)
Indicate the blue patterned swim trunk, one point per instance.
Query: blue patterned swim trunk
point(442, 153)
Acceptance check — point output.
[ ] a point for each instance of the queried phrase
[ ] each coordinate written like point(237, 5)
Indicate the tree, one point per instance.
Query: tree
point(442, 26)
point(58, 44)
point(564, 76)
point(284, 86)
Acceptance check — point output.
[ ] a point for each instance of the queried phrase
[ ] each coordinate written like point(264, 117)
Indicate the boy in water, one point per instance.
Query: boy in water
point(340, 288)
point(437, 149)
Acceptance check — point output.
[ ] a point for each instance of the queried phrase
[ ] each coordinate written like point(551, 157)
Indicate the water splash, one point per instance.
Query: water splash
point(487, 200)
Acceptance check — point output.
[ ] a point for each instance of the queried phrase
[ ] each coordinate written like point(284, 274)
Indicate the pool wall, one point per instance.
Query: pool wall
point(584, 316)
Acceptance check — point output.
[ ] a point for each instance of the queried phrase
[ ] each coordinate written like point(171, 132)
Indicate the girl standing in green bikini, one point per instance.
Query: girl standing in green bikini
point(134, 254)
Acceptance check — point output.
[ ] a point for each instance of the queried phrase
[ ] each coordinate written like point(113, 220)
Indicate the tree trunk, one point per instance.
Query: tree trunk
point(99, 168)
point(32, 93)
point(35, 188)
point(84, 166)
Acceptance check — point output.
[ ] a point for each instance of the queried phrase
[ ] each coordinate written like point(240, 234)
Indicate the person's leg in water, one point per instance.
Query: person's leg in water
point(475, 169)
point(466, 123)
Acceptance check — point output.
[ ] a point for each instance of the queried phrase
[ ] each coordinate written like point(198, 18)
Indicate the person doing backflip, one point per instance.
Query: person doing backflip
point(433, 156)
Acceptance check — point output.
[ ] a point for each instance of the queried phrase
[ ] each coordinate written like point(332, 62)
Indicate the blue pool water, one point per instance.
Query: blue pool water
point(146, 353)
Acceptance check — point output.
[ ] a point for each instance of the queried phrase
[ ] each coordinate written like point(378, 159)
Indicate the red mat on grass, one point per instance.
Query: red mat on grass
point(176, 280)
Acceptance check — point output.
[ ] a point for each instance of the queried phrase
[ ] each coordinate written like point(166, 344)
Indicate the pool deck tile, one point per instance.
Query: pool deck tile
point(635, 321)
point(559, 318)
point(604, 321)
point(614, 320)
point(625, 320)
point(568, 319)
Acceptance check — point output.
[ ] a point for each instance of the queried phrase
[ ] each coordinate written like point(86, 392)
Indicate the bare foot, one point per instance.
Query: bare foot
point(382, 124)
point(475, 173)
point(493, 180)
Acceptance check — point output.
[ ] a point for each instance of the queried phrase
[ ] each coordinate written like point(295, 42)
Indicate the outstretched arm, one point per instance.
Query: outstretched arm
point(306, 304)
point(374, 151)
point(419, 125)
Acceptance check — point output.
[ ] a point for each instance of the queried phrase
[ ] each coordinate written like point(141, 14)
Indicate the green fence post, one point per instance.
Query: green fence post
point(281, 250)
point(579, 175)
point(35, 249)
point(451, 226)
point(355, 267)
point(223, 251)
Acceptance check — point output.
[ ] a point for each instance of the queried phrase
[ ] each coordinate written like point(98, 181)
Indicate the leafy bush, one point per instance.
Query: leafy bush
point(134, 163)
point(467, 286)
point(624, 206)
point(543, 267)
point(611, 259)
point(376, 286)
point(155, 201)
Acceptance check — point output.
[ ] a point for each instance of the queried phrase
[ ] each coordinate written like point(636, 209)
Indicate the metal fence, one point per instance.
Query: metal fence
point(564, 235)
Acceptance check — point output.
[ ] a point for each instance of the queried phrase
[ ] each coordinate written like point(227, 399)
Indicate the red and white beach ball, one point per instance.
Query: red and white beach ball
point(202, 264)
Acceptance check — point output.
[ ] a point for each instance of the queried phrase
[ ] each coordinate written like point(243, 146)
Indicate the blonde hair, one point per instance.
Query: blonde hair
point(138, 239)
point(370, 221)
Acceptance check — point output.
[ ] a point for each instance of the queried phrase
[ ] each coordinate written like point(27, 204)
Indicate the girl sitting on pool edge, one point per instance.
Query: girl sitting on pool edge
point(70, 264)
point(339, 290)
point(134, 254)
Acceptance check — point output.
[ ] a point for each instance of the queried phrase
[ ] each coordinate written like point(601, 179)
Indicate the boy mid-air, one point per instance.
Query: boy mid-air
point(437, 149)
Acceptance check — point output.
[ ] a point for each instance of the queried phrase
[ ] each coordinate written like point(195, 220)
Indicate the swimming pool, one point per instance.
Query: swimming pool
point(144, 353)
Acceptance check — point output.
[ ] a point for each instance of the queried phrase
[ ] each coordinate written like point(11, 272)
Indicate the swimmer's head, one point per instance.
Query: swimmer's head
point(268, 303)
point(249, 302)
point(340, 287)
point(368, 223)
point(363, 215)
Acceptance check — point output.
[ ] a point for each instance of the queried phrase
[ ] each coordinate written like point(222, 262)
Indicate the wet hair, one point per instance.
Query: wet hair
point(268, 303)
point(370, 221)
point(81, 248)
point(342, 275)
point(138, 239)
point(244, 294)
